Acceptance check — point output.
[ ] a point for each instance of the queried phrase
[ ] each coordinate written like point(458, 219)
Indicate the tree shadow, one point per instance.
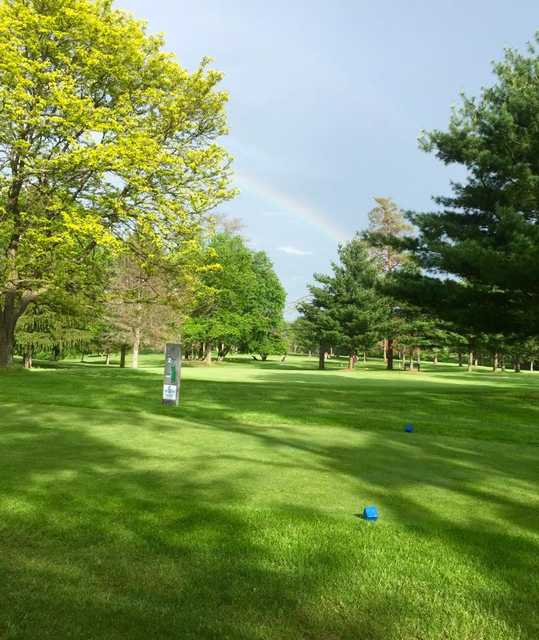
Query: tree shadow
point(496, 534)
point(104, 541)
point(112, 541)
point(297, 398)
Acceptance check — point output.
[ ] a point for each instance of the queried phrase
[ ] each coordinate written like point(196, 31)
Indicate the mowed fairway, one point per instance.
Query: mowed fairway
point(236, 514)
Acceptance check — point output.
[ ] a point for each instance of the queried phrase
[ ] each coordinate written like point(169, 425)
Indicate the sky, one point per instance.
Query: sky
point(327, 100)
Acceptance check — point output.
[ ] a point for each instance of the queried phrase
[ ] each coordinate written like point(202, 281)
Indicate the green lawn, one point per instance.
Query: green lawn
point(236, 514)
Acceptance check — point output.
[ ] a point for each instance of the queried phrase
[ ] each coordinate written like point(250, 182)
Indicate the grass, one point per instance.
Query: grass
point(236, 514)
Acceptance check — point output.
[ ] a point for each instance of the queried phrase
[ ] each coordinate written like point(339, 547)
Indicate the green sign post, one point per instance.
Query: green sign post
point(171, 383)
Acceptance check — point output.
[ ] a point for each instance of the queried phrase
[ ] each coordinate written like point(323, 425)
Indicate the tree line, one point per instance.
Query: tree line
point(111, 165)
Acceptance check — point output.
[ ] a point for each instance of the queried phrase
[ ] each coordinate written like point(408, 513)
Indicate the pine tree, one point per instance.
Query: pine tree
point(346, 310)
point(479, 256)
point(387, 226)
point(386, 220)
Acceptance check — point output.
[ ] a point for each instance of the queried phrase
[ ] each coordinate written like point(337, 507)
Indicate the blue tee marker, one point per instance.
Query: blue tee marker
point(370, 513)
point(409, 427)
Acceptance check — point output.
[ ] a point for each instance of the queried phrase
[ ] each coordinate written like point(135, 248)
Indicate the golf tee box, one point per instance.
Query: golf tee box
point(370, 513)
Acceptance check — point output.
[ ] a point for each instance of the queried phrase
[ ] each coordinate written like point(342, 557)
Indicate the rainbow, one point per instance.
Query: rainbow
point(292, 205)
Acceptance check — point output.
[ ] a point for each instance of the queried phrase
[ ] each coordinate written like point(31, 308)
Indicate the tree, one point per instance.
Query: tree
point(346, 309)
point(136, 311)
point(101, 134)
point(265, 307)
point(479, 255)
point(386, 220)
point(386, 226)
point(218, 317)
point(149, 300)
point(54, 327)
point(300, 338)
point(319, 324)
point(242, 304)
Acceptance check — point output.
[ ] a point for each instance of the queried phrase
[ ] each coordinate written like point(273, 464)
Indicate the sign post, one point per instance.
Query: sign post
point(171, 383)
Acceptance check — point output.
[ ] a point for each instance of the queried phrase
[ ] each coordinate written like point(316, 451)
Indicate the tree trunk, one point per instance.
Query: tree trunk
point(365, 357)
point(107, 358)
point(9, 315)
point(460, 359)
point(470, 360)
point(418, 353)
point(351, 362)
point(436, 358)
point(207, 353)
point(322, 358)
point(389, 353)
point(495, 361)
point(123, 353)
point(136, 348)
point(386, 345)
point(503, 362)
point(27, 358)
point(532, 363)
point(7, 339)
point(517, 365)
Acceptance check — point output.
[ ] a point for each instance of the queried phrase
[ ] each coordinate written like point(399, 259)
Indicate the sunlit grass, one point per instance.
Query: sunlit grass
point(235, 515)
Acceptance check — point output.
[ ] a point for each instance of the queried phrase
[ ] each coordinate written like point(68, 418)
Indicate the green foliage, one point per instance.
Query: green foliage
point(346, 311)
point(53, 330)
point(265, 306)
point(386, 221)
point(101, 134)
point(486, 239)
point(300, 337)
point(242, 304)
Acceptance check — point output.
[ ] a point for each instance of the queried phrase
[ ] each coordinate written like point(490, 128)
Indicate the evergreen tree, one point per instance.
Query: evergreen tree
point(346, 310)
point(386, 220)
point(479, 256)
point(387, 226)
point(56, 327)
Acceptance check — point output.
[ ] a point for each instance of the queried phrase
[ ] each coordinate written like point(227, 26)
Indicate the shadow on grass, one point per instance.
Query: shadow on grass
point(505, 413)
point(502, 548)
point(109, 541)
point(97, 543)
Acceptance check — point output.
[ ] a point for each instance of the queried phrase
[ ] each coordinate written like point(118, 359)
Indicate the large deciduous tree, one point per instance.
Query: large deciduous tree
point(148, 300)
point(242, 303)
point(101, 134)
point(265, 307)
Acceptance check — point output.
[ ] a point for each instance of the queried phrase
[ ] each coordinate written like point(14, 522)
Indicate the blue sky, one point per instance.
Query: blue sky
point(327, 100)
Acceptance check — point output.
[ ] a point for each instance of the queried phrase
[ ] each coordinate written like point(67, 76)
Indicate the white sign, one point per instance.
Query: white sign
point(169, 392)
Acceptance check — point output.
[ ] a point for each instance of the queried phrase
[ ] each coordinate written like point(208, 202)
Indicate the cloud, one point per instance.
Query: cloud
point(294, 251)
